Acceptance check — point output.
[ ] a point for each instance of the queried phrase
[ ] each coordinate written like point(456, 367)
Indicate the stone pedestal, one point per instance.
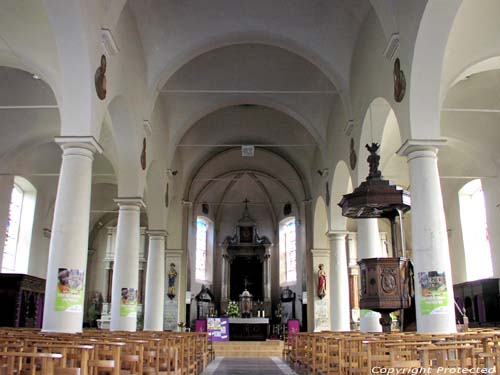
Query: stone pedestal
point(321, 306)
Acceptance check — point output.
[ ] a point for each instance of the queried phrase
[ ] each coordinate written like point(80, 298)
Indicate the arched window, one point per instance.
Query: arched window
point(475, 231)
point(19, 227)
point(204, 250)
point(288, 251)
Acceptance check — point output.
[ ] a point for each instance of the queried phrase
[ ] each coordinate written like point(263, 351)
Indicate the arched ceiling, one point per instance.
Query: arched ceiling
point(322, 31)
point(249, 74)
point(246, 124)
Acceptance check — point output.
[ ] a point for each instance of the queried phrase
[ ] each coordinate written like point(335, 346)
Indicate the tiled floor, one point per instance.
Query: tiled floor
point(248, 366)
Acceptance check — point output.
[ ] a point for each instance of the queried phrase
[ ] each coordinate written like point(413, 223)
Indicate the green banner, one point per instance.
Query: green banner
point(128, 303)
point(69, 294)
point(434, 293)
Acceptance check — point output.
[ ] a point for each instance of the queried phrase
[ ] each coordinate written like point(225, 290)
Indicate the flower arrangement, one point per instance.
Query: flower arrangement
point(233, 310)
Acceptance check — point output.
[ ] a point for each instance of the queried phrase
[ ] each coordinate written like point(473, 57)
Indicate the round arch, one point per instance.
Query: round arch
point(341, 184)
point(226, 40)
point(320, 225)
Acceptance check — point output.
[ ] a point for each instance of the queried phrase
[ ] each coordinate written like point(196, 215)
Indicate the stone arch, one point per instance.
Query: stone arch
point(341, 184)
point(320, 225)
point(427, 65)
point(129, 144)
point(374, 123)
point(226, 40)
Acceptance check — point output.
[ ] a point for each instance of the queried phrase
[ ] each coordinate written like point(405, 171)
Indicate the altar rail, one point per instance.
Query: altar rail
point(327, 353)
point(25, 351)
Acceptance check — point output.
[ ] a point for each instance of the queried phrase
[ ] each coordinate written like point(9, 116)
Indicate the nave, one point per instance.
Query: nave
point(248, 366)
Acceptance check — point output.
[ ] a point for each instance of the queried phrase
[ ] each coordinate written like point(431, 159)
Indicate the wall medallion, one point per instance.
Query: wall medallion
point(353, 158)
point(399, 82)
point(143, 154)
point(100, 79)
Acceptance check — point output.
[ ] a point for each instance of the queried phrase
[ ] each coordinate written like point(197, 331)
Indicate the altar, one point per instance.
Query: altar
point(248, 329)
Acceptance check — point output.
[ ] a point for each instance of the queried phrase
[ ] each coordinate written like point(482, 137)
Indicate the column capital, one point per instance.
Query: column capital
point(130, 201)
point(335, 234)
point(88, 143)
point(174, 252)
point(320, 252)
point(156, 233)
point(412, 145)
point(187, 203)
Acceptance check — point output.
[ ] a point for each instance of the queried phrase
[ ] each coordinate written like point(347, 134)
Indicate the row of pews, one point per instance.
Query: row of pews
point(327, 353)
point(95, 352)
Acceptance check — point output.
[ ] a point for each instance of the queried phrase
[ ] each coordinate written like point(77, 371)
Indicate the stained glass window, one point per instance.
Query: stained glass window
point(475, 231)
point(288, 251)
point(201, 249)
point(12, 230)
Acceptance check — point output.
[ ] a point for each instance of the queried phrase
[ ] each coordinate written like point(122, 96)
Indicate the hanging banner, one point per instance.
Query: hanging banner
point(69, 294)
point(218, 329)
point(128, 303)
point(434, 294)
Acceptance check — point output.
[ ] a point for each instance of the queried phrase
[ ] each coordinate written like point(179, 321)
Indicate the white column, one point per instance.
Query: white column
point(173, 314)
point(321, 306)
point(369, 247)
point(225, 274)
point(126, 266)
point(267, 274)
point(155, 282)
point(63, 308)
point(339, 282)
point(431, 254)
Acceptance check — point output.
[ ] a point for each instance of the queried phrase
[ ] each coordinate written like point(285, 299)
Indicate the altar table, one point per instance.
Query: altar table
point(248, 329)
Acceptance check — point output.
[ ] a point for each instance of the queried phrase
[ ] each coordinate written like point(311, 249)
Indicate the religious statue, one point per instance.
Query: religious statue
point(100, 79)
point(172, 276)
point(321, 281)
point(373, 160)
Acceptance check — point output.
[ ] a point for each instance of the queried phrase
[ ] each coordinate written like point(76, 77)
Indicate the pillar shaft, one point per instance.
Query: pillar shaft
point(431, 254)
point(64, 291)
point(267, 274)
point(225, 275)
point(369, 246)
point(126, 266)
point(339, 282)
point(155, 282)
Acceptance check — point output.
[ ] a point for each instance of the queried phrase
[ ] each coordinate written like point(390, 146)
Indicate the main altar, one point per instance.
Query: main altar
point(248, 329)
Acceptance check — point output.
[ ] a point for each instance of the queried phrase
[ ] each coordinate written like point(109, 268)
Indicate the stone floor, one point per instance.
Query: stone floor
point(248, 366)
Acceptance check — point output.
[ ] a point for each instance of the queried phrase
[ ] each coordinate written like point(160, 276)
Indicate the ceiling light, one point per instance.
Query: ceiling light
point(36, 76)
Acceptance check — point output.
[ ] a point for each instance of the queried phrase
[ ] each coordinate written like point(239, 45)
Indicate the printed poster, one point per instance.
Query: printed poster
point(434, 294)
point(69, 294)
point(128, 303)
point(218, 329)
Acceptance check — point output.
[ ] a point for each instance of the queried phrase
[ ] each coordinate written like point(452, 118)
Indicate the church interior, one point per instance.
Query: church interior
point(312, 185)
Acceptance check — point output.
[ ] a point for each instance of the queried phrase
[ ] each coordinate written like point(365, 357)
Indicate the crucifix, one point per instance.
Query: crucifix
point(246, 201)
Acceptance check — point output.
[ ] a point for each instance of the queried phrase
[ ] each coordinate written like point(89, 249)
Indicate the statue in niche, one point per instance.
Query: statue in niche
point(172, 277)
point(100, 79)
point(321, 281)
point(399, 82)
